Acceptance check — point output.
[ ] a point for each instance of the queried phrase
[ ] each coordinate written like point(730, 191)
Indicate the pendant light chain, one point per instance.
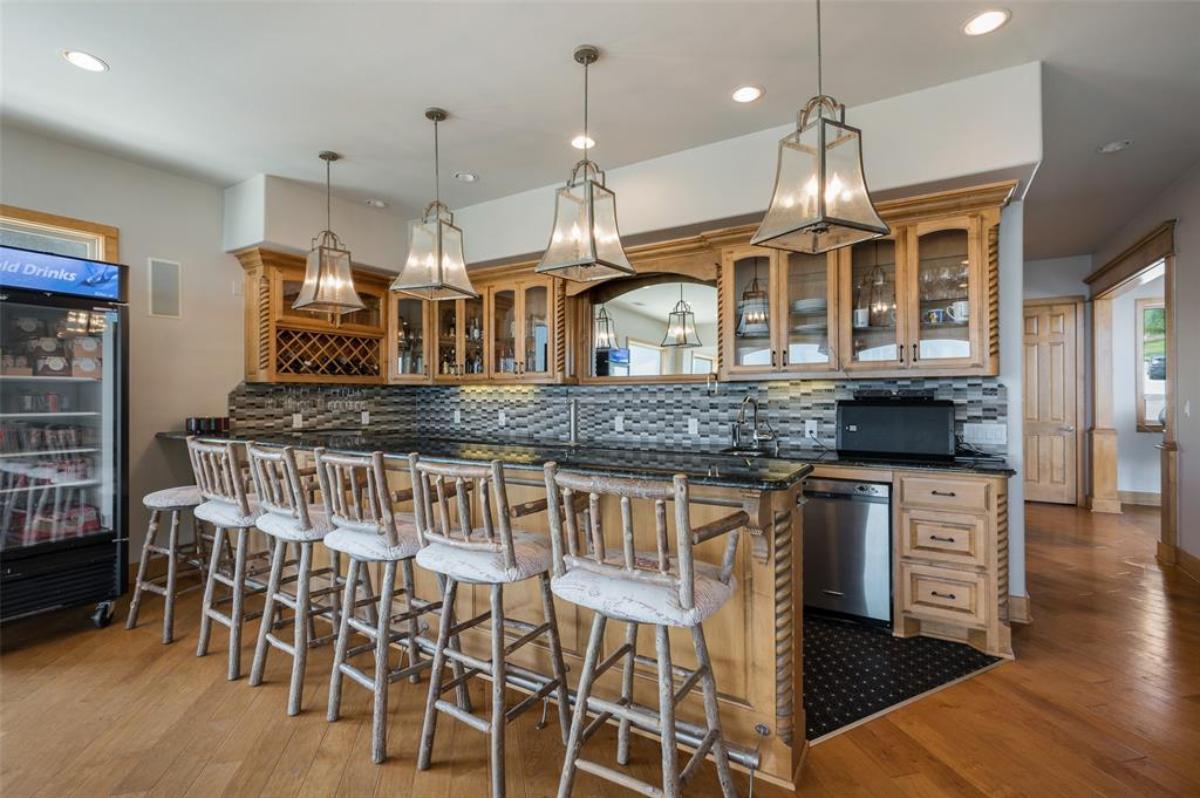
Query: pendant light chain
point(586, 140)
point(328, 211)
point(820, 89)
point(437, 166)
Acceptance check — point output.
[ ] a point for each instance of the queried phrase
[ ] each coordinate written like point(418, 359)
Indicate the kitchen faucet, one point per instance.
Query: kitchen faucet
point(760, 431)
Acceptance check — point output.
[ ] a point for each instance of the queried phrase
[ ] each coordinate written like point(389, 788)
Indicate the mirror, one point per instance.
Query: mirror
point(639, 328)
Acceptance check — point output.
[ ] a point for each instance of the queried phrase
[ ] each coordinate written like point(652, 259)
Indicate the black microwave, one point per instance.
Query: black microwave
point(918, 428)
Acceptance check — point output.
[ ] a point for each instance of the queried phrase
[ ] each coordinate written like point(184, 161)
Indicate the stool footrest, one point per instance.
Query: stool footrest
point(530, 700)
point(357, 675)
point(532, 634)
point(475, 722)
point(288, 648)
point(617, 777)
point(697, 758)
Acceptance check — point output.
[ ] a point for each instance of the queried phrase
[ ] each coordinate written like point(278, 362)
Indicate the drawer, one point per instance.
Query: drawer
point(957, 538)
point(943, 594)
point(946, 494)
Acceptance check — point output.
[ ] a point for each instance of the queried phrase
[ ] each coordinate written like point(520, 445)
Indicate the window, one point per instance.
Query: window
point(645, 360)
point(703, 364)
point(45, 233)
point(1151, 368)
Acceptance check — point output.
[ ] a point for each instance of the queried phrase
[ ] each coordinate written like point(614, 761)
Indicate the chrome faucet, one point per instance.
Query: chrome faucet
point(760, 431)
point(573, 420)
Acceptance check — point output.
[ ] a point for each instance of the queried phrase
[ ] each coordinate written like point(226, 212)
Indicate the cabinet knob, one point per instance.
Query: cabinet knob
point(916, 353)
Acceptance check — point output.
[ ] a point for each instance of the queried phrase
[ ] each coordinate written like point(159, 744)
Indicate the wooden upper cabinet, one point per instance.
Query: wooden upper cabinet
point(808, 311)
point(371, 319)
point(523, 335)
point(410, 353)
point(945, 293)
point(749, 313)
point(873, 318)
point(459, 340)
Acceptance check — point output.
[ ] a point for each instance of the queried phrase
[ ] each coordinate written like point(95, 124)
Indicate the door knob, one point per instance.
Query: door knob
point(1066, 429)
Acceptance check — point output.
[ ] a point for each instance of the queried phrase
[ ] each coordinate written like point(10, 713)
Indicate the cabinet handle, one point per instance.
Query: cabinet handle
point(772, 358)
point(942, 539)
point(949, 493)
point(900, 352)
point(783, 356)
point(950, 596)
point(916, 353)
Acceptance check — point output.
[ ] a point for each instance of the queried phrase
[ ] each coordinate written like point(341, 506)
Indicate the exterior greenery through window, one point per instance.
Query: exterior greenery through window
point(1151, 364)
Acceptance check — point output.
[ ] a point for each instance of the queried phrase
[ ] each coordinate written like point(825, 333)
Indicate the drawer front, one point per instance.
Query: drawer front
point(942, 594)
point(944, 494)
point(946, 537)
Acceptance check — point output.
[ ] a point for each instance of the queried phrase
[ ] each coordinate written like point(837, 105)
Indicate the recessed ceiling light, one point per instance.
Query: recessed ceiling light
point(747, 94)
point(466, 177)
point(1114, 146)
point(986, 22)
point(377, 203)
point(581, 141)
point(84, 60)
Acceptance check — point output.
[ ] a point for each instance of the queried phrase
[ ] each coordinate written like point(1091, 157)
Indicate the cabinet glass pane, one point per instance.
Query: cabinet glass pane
point(943, 291)
point(410, 336)
point(289, 292)
point(447, 336)
point(752, 298)
point(537, 329)
point(472, 362)
point(369, 316)
point(504, 332)
point(808, 308)
point(873, 311)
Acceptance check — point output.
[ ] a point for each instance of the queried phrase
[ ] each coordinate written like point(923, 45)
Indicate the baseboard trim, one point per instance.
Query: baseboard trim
point(1188, 563)
point(1140, 498)
point(1104, 505)
point(1019, 610)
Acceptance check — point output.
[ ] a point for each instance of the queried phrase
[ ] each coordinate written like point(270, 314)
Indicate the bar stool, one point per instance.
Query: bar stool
point(651, 587)
point(175, 501)
point(495, 556)
point(227, 507)
point(358, 504)
point(287, 518)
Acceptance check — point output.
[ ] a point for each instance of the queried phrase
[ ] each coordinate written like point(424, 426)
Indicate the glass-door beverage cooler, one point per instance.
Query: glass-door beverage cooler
point(63, 432)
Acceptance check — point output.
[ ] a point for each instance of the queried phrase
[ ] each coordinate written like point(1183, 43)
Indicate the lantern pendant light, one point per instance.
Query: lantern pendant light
point(436, 267)
point(605, 335)
point(821, 201)
point(681, 326)
point(328, 282)
point(585, 244)
point(754, 308)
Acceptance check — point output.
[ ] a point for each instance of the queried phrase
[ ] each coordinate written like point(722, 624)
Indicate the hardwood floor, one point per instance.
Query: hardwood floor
point(1103, 699)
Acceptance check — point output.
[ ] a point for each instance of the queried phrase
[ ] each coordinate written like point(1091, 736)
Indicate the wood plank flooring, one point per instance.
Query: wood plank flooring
point(1103, 699)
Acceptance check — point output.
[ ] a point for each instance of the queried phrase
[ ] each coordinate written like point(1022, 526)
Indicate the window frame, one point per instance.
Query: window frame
point(630, 342)
point(105, 236)
point(1140, 308)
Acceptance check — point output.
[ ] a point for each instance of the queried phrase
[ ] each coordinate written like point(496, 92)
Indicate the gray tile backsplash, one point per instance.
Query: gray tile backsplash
point(653, 414)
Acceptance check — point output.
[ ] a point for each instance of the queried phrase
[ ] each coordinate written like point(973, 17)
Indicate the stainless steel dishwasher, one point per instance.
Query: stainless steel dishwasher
point(848, 548)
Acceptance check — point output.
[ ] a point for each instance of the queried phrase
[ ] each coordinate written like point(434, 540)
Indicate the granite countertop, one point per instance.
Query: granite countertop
point(965, 463)
point(701, 467)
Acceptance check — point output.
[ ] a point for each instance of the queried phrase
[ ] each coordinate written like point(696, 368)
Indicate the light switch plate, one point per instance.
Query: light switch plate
point(810, 428)
point(693, 426)
point(297, 421)
point(366, 417)
point(619, 423)
point(985, 433)
point(502, 418)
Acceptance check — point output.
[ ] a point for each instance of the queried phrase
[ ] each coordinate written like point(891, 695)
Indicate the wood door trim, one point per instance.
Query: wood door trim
point(107, 233)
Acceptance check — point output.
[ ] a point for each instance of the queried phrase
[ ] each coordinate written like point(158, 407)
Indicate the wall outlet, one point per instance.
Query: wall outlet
point(985, 433)
point(366, 417)
point(457, 416)
point(810, 428)
point(619, 423)
point(297, 421)
point(502, 418)
point(693, 426)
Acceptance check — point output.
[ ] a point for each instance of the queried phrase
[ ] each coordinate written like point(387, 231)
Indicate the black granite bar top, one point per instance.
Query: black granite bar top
point(701, 467)
point(983, 465)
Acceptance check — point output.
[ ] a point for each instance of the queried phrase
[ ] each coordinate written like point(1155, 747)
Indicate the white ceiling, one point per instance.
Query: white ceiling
point(224, 91)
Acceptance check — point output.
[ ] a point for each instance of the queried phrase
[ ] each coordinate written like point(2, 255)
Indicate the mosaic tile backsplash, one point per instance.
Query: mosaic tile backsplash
point(653, 415)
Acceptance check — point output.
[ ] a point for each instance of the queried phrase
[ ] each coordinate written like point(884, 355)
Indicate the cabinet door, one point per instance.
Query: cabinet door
point(536, 352)
point(410, 343)
point(288, 282)
point(808, 290)
point(447, 341)
point(503, 330)
point(872, 309)
point(945, 288)
point(371, 318)
point(749, 319)
point(473, 363)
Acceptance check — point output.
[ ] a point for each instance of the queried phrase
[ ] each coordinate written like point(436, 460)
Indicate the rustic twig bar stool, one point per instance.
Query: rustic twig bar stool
point(287, 518)
point(494, 555)
point(652, 587)
point(228, 508)
point(175, 501)
point(358, 503)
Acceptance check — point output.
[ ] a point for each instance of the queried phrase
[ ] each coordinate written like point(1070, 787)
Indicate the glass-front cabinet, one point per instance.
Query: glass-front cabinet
point(809, 291)
point(371, 319)
point(520, 330)
point(459, 340)
point(748, 281)
point(945, 289)
point(409, 329)
point(873, 331)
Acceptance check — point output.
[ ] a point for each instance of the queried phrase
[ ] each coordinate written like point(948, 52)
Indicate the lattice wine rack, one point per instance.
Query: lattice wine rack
point(306, 353)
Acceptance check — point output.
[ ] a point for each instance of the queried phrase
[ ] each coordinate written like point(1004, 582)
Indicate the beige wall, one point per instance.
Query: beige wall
point(1180, 201)
point(178, 367)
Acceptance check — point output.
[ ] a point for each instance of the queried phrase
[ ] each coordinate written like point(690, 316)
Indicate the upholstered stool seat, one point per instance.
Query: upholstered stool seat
point(639, 601)
point(373, 547)
point(285, 528)
point(531, 556)
point(228, 514)
point(183, 497)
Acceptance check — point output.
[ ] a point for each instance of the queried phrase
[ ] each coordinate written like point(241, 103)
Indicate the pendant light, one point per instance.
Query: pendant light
point(821, 201)
point(435, 268)
point(328, 282)
point(585, 244)
point(681, 326)
point(753, 307)
point(605, 336)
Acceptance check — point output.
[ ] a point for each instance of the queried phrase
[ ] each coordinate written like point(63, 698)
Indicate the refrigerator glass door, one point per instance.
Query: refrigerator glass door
point(59, 414)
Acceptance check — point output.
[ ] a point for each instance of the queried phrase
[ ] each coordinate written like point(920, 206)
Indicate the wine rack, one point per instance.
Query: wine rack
point(326, 354)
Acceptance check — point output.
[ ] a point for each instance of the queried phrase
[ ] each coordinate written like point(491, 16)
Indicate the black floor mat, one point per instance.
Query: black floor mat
point(853, 671)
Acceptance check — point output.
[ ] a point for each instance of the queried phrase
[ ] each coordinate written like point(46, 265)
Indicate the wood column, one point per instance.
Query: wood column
point(1168, 538)
point(1102, 435)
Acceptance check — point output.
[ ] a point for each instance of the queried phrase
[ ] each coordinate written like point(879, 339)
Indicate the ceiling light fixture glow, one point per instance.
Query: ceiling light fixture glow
point(466, 177)
point(1114, 146)
point(747, 94)
point(377, 203)
point(85, 61)
point(582, 142)
point(987, 21)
